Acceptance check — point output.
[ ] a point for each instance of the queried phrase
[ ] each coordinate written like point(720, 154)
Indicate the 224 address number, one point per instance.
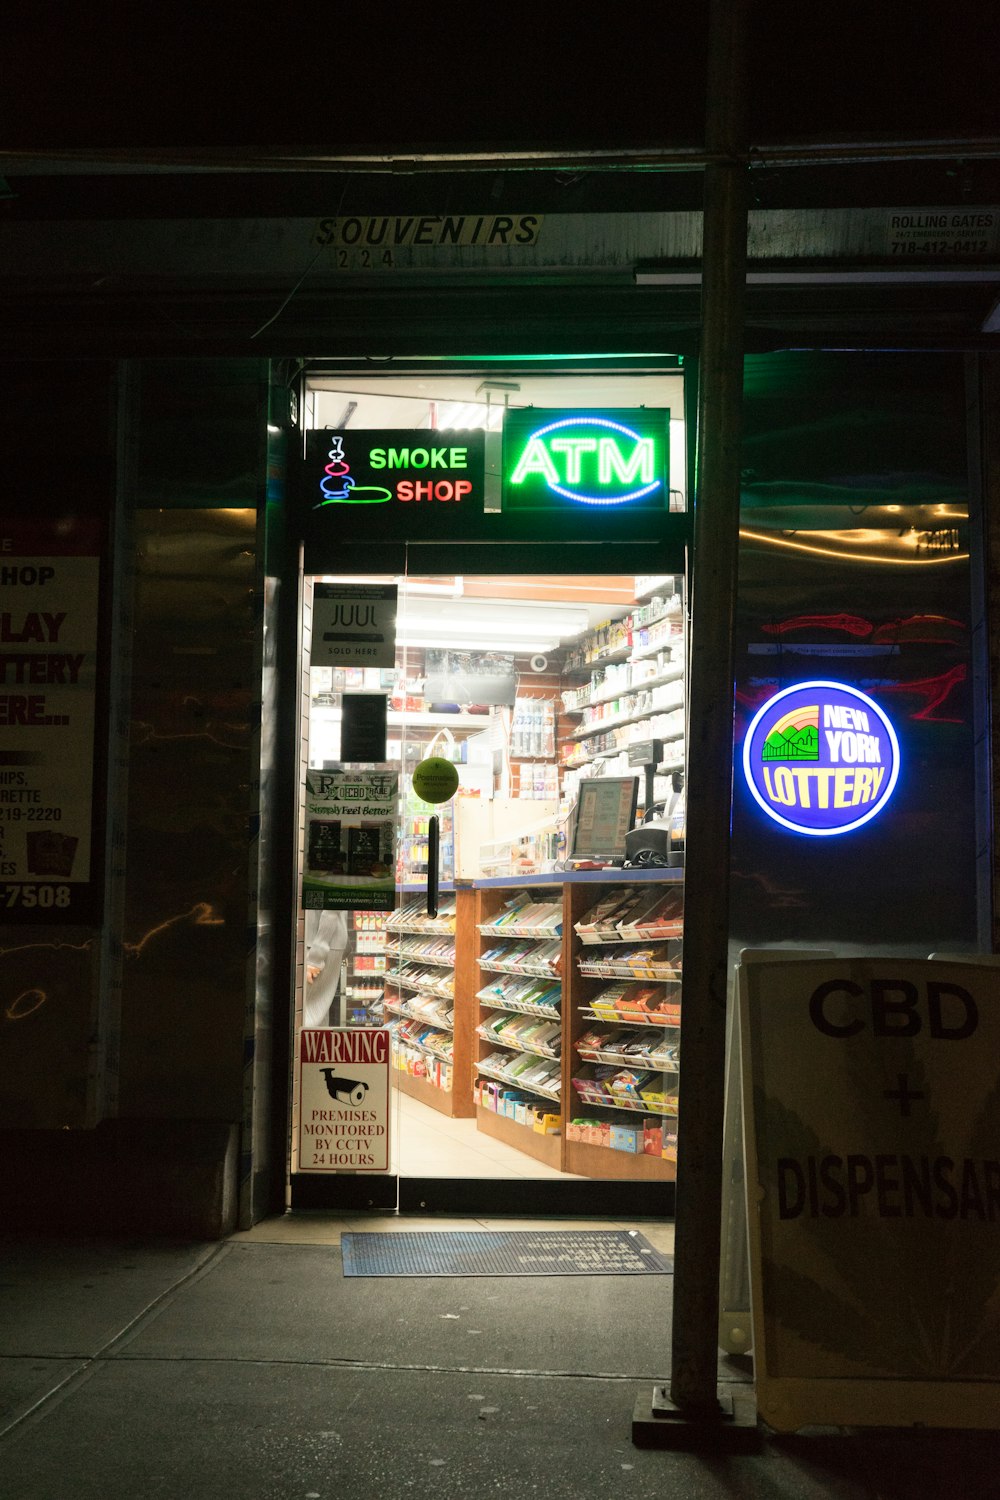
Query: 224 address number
point(35, 895)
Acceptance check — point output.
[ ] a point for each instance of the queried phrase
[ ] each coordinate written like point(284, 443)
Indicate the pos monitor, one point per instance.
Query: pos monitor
point(605, 811)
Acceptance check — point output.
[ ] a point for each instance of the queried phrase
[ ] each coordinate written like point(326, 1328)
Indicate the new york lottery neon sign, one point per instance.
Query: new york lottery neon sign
point(821, 758)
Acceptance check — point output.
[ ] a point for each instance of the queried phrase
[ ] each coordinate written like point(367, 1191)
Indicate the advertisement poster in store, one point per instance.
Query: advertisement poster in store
point(353, 625)
point(48, 671)
point(344, 1099)
point(871, 1091)
point(350, 857)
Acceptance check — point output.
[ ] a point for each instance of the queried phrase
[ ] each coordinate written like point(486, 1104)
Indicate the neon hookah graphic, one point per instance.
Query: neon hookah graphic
point(338, 488)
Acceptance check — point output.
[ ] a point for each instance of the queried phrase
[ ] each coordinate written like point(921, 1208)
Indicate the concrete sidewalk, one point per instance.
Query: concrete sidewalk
point(253, 1369)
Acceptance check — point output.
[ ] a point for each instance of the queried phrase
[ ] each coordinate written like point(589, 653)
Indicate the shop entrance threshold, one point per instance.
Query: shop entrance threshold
point(534, 1198)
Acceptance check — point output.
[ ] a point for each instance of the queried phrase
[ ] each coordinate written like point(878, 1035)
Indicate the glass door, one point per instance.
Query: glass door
point(531, 991)
point(528, 975)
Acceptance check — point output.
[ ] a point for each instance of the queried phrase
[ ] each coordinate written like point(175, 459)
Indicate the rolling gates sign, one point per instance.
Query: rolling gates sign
point(344, 1099)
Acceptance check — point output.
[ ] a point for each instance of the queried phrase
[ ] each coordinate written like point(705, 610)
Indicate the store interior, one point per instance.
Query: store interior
point(535, 1016)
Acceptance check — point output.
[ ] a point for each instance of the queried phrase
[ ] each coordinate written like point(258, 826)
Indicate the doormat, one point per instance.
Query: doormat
point(516, 1252)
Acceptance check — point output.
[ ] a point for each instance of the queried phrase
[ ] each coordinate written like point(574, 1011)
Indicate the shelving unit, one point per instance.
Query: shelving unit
point(432, 1037)
point(414, 838)
point(613, 992)
point(623, 1048)
point(636, 666)
point(366, 958)
point(520, 1025)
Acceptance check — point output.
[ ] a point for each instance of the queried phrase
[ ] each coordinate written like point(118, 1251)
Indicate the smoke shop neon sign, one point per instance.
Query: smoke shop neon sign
point(821, 758)
point(383, 467)
point(552, 459)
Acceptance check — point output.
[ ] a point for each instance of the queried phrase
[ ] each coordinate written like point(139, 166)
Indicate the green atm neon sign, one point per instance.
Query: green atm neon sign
point(559, 459)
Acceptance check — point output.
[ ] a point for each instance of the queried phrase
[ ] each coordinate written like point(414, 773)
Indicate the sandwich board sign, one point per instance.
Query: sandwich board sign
point(871, 1100)
point(344, 1099)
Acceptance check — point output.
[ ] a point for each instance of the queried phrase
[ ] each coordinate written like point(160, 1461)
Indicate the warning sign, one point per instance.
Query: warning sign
point(344, 1099)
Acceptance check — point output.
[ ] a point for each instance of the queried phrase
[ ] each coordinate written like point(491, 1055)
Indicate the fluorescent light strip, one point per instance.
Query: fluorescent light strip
point(511, 626)
point(448, 643)
point(486, 626)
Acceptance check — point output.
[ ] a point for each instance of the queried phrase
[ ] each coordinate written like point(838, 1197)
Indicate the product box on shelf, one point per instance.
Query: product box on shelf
point(547, 1124)
point(626, 1138)
point(652, 1139)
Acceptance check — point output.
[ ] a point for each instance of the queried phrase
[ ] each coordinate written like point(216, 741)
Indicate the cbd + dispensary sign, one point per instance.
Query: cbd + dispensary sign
point(821, 758)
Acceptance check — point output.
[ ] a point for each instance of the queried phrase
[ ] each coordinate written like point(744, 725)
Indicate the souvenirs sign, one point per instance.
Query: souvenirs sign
point(872, 1128)
point(821, 758)
point(344, 1099)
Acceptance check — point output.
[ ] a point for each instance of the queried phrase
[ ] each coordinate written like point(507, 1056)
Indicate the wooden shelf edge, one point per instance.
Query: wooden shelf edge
point(544, 1148)
point(446, 1103)
point(587, 1160)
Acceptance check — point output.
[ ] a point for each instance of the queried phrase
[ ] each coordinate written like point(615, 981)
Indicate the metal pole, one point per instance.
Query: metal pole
point(694, 1378)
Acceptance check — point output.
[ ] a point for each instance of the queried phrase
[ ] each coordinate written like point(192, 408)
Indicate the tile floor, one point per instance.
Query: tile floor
point(429, 1144)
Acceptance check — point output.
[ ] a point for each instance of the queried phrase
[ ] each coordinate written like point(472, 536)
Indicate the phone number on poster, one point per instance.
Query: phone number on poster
point(35, 895)
point(31, 814)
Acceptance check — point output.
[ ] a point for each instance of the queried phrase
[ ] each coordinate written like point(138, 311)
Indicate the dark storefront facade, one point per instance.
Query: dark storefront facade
point(149, 1037)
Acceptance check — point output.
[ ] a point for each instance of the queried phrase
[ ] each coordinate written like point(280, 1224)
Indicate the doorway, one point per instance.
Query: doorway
point(533, 1006)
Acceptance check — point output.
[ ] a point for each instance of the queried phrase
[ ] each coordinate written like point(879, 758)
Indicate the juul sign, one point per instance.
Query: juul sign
point(354, 625)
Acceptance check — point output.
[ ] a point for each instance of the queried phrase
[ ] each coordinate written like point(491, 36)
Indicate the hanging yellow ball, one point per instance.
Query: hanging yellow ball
point(435, 779)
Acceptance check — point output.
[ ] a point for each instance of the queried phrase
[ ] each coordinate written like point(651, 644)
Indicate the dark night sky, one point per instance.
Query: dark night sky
point(388, 75)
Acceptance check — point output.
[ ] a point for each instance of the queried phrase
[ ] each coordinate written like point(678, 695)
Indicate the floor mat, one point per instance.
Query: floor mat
point(516, 1252)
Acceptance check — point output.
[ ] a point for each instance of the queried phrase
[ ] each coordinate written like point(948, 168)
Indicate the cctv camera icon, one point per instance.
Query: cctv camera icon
point(344, 1090)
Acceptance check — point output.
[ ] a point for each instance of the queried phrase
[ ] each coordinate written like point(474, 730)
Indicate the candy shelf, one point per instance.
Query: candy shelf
point(576, 976)
point(421, 979)
point(519, 1025)
point(621, 1057)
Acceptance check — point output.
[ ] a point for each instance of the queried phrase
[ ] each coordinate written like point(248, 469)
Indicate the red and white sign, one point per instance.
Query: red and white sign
point(344, 1099)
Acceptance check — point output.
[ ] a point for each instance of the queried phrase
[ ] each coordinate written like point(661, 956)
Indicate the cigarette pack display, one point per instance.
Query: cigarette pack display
point(600, 923)
point(658, 915)
point(522, 917)
point(640, 961)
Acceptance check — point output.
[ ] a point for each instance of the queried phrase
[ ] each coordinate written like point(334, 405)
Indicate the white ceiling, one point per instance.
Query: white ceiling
point(405, 400)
